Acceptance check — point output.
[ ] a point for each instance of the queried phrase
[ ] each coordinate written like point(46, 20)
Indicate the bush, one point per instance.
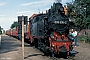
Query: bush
point(84, 39)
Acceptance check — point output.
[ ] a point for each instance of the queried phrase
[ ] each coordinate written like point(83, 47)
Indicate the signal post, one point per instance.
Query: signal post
point(23, 36)
point(22, 20)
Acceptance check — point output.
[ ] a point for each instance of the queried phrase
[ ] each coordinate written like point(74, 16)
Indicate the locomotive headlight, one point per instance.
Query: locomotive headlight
point(53, 45)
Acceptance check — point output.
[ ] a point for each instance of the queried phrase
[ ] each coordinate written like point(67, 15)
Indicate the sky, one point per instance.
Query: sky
point(11, 9)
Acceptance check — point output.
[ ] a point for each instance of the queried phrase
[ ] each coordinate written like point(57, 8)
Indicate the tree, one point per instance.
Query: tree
point(70, 8)
point(81, 13)
point(15, 23)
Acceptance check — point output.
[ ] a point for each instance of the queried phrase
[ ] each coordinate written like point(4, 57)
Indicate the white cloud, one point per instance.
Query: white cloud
point(1, 4)
point(38, 3)
point(31, 12)
point(21, 12)
point(27, 13)
point(42, 3)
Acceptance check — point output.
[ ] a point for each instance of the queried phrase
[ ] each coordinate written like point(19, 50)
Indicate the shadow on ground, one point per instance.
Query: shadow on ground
point(32, 55)
point(9, 44)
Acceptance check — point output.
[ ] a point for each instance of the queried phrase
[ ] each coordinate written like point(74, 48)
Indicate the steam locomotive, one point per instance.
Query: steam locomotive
point(49, 31)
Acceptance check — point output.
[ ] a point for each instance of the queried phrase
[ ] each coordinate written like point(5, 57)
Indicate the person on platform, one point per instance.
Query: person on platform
point(74, 37)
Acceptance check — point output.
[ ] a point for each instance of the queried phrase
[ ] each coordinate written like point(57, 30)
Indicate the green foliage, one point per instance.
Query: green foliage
point(70, 9)
point(84, 38)
point(15, 23)
point(81, 13)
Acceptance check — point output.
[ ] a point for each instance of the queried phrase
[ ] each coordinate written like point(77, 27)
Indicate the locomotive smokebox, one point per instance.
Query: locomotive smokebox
point(59, 23)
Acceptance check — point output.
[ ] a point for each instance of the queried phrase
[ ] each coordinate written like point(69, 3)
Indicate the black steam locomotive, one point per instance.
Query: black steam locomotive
point(49, 31)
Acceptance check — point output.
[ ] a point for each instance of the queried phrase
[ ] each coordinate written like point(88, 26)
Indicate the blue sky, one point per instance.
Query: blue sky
point(11, 9)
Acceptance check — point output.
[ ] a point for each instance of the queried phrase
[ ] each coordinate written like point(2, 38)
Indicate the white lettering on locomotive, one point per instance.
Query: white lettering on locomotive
point(60, 22)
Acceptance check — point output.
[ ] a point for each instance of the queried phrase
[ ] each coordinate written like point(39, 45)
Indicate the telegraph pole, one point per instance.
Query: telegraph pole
point(23, 36)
